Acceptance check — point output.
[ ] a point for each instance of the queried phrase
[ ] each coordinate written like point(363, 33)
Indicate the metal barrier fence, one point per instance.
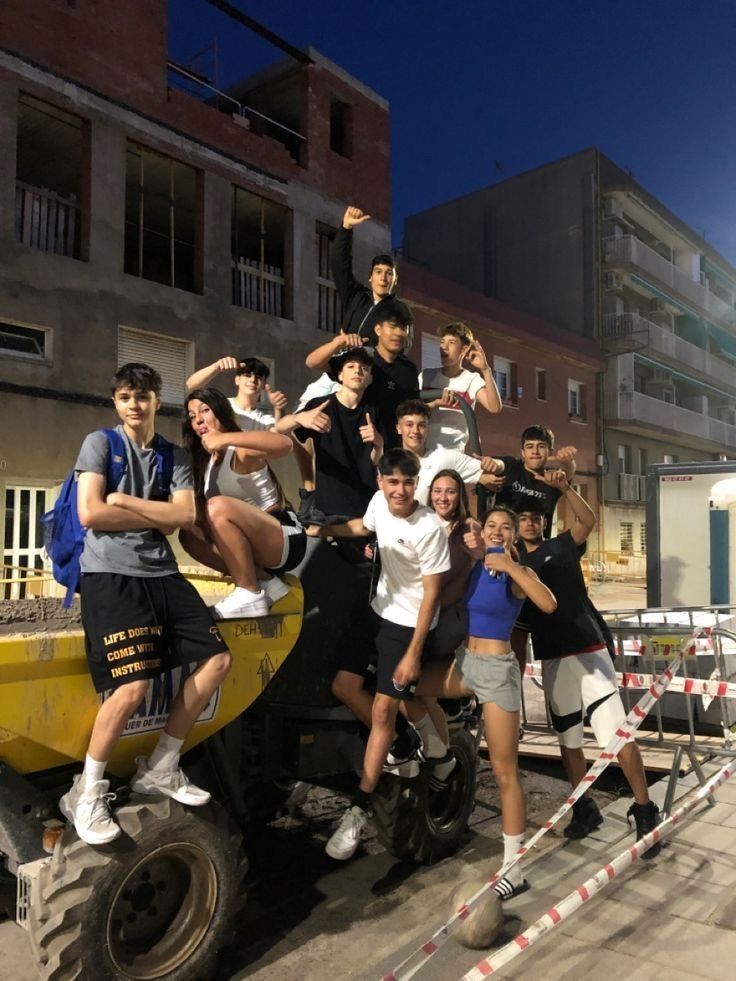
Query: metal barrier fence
point(605, 566)
point(646, 641)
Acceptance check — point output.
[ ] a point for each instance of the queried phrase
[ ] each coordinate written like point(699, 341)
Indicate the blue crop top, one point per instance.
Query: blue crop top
point(492, 607)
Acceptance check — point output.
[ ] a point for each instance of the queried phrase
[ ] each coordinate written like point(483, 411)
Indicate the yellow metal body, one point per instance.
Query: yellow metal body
point(48, 703)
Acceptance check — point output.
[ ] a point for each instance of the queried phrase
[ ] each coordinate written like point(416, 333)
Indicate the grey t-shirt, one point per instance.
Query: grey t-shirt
point(146, 552)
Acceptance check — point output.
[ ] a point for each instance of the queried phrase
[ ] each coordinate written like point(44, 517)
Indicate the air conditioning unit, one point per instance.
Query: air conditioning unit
point(612, 208)
point(657, 306)
point(613, 282)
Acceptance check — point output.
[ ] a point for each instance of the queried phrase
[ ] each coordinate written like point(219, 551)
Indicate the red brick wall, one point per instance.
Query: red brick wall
point(119, 49)
point(563, 355)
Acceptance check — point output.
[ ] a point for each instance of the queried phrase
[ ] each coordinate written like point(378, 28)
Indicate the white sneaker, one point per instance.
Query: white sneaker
point(242, 603)
point(346, 839)
point(275, 589)
point(89, 811)
point(167, 783)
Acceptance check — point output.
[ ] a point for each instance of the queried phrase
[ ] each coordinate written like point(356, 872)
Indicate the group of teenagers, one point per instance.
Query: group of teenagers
point(456, 597)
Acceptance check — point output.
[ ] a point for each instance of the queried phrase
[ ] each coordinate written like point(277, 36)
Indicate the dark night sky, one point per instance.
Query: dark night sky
point(475, 86)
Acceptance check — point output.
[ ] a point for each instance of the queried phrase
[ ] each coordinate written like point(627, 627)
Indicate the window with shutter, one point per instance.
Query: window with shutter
point(504, 374)
point(171, 357)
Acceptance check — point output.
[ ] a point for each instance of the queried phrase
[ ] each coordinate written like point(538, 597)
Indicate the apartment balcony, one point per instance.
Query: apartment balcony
point(628, 250)
point(630, 331)
point(642, 414)
point(632, 487)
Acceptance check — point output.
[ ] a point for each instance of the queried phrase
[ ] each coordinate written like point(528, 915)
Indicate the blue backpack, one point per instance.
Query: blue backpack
point(63, 535)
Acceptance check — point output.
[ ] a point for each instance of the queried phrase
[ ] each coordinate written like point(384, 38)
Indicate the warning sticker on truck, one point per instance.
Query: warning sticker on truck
point(153, 711)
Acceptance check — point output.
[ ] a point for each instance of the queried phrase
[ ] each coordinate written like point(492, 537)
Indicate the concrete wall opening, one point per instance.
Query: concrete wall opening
point(49, 178)
point(162, 215)
point(259, 229)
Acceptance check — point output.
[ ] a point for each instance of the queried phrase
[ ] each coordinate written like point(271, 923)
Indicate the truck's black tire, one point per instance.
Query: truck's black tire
point(418, 825)
point(159, 902)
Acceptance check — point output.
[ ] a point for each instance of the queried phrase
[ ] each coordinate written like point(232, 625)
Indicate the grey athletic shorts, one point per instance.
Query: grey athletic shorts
point(492, 678)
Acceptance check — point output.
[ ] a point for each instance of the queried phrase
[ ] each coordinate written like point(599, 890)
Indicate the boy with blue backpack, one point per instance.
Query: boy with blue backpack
point(140, 616)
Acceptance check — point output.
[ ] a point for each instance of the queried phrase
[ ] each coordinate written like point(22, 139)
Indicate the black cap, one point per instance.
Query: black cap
point(338, 361)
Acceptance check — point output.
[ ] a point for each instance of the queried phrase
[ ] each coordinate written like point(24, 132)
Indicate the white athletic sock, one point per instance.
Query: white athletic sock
point(432, 745)
point(511, 845)
point(166, 754)
point(93, 772)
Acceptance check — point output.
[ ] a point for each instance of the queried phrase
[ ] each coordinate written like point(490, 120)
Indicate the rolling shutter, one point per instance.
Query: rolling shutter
point(171, 357)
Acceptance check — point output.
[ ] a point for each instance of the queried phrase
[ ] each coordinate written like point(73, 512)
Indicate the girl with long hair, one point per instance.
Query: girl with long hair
point(487, 668)
point(245, 525)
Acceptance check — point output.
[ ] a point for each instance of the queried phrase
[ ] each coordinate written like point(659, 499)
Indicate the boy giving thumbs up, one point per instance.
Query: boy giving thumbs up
point(344, 432)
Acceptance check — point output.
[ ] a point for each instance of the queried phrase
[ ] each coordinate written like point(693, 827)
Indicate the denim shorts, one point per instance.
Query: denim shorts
point(492, 678)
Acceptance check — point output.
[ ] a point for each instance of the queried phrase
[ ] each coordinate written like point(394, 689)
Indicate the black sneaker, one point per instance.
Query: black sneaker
point(306, 504)
point(646, 817)
point(585, 819)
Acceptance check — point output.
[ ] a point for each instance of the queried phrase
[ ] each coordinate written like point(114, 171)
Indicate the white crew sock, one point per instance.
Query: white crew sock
point(93, 772)
point(511, 845)
point(432, 745)
point(166, 754)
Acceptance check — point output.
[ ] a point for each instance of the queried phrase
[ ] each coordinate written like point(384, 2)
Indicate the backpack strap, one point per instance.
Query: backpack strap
point(164, 451)
point(117, 458)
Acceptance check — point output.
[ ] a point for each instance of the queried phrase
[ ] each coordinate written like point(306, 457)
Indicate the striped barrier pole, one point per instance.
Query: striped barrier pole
point(595, 883)
point(418, 958)
point(709, 688)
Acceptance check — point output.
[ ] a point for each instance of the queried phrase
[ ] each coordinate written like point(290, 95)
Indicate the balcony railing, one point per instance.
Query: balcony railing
point(620, 326)
point(629, 249)
point(646, 411)
point(631, 487)
point(329, 308)
point(46, 221)
point(258, 287)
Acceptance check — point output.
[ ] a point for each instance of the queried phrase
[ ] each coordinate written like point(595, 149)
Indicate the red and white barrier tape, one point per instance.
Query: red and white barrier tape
point(410, 965)
point(710, 688)
point(594, 884)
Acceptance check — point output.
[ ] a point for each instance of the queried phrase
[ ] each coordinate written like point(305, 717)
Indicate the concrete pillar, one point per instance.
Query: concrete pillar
point(106, 202)
point(8, 139)
point(217, 211)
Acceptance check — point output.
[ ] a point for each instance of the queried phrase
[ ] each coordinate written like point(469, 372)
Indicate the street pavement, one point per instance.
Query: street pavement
point(309, 918)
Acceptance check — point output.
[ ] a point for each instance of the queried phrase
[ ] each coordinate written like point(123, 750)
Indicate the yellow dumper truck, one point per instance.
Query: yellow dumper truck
point(161, 900)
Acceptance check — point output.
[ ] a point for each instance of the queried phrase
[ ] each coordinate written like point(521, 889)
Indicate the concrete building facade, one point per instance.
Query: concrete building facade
point(534, 362)
point(142, 222)
point(580, 243)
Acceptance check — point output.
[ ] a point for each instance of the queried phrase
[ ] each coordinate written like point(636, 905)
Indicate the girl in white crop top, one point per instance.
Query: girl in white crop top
point(245, 525)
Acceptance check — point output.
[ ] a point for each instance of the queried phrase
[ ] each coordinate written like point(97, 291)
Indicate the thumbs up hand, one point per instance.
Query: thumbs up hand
point(316, 418)
point(277, 399)
point(369, 433)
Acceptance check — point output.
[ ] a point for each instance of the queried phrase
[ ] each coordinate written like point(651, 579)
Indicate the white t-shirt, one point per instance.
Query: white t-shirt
point(410, 548)
point(319, 389)
point(252, 419)
point(447, 425)
point(443, 459)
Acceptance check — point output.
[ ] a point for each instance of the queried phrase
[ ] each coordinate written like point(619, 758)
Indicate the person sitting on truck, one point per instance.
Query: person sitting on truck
point(344, 432)
point(140, 616)
point(458, 349)
point(397, 627)
point(251, 382)
point(395, 377)
point(246, 527)
point(521, 488)
point(362, 305)
point(412, 424)
point(486, 667)
point(574, 645)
